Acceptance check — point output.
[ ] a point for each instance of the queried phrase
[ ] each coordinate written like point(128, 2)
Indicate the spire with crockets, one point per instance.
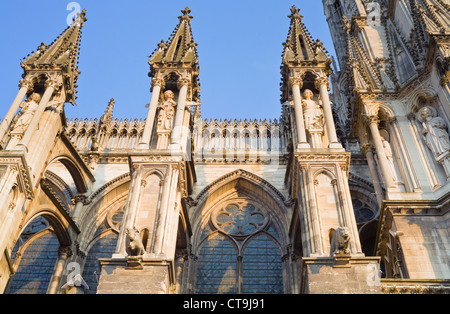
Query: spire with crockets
point(300, 46)
point(60, 56)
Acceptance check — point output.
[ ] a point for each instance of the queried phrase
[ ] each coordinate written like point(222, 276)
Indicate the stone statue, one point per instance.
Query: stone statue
point(339, 241)
point(312, 112)
point(435, 132)
point(167, 112)
point(94, 146)
point(135, 246)
point(389, 154)
point(29, 108)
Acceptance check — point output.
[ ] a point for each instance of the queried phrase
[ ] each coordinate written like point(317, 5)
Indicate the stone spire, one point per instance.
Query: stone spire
point(301, 54)
point(300, 46)
point(180, 48)
point(60, 56)
point(434, 15)
point(178, 54)
point(365, 74)
point(108, 116)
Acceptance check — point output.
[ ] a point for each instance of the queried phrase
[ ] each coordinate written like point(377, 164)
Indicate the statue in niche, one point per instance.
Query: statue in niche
point(313, 116)
point(435, 131)
point(29, 108)
point(167, 112)
point(312, 112)
point(389, 154)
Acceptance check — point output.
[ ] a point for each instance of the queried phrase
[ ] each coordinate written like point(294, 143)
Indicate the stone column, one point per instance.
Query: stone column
point(130, 212)
point(297, 84)
point(323, 85)
point(377, 142)
point(25, 87)
point(79, 202)
point(183, 84)
point(164, 212)
point(64, 254)
point(157, 86)
point(367, 151)
point(51, 86)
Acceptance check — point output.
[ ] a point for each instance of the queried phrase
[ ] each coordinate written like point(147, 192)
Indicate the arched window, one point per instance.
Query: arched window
point(35, 256)
point(263, 273)
point(240, 252)
point(102, 248)
point(217, 275)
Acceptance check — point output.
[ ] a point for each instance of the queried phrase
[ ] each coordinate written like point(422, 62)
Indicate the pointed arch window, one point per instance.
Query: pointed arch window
point(240, 252)
point(104, 247)
point(177, 49)
point(35, 256)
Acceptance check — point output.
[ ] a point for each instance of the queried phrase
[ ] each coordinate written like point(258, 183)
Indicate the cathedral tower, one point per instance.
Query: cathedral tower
point(392, 95)
point(347, 192)
point(161, 171)
point(28, 162)
point(319, 173)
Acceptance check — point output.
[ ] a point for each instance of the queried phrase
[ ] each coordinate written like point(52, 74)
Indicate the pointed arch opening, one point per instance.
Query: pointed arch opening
point(240, 218)
point(35, 254)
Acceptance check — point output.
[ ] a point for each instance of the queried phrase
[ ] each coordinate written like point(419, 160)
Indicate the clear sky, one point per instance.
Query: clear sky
point(239, 45)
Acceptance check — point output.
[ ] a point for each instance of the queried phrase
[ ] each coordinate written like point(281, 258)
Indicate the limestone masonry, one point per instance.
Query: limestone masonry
point(346, 192)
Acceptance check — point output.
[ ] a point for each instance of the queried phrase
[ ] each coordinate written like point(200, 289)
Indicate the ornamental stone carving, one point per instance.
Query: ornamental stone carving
point(296, 81)
point(167, 112)
point(135, 246)
point(183, 82)
point(435, 131)
point(340, 241)
point(158, 82)
point(29, 108)
point(320, 81)
point(312, 112)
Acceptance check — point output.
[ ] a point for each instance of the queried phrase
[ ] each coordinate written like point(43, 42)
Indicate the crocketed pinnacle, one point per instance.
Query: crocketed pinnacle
point(60, 55)
point(180, 48)
point(300, 46)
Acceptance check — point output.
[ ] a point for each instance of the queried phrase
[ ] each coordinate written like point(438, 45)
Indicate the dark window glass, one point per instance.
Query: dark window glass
point(36, 266)
point(103, 248)
point(262, 267)
point(216, 272)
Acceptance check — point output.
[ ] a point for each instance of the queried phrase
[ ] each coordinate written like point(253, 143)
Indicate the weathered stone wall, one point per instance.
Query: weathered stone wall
point(328, 276)
point(425, 241)
point(120, 279)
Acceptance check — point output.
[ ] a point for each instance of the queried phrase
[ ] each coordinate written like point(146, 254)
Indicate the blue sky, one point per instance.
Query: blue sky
point(239, 45)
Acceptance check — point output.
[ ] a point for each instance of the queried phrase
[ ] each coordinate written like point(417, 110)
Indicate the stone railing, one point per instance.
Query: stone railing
point(411, 286)
point(239, 140)
point(113, 135)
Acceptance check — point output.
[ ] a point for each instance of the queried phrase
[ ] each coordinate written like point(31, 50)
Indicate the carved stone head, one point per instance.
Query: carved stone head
point(427, 113)
point(168, 95)
point(308, 94)
point(35, 97)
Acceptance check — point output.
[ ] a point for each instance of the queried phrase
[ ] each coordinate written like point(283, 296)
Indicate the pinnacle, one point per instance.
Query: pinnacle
point(186, 15)
point(295, 13)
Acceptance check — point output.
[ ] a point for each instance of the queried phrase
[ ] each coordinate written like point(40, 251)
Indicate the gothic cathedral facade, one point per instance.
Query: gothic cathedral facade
point(347, 192)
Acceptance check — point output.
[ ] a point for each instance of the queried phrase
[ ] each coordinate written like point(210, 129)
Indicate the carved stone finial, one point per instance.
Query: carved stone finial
point(295, 13)
point(186, 15)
